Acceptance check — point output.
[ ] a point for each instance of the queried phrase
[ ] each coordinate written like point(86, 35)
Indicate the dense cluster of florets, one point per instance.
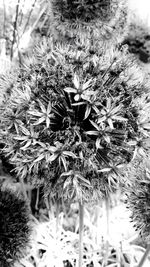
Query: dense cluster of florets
point(69, 120)
point(86, 10)
point(138, 201)
point(14, 226)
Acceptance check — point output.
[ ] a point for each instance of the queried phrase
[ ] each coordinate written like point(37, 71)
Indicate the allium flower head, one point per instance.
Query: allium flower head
point(138, 201)
point(86, 10)
point(94, 20)
point(70, 120)
point(14, 228)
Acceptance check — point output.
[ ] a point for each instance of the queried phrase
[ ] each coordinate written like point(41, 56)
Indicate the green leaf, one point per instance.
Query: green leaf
point(95, 125)
point(70, 154)
point(118, 118)
point(47, 122)
point(39, 158)
point(87, 84)
point(107, 139)
point(69, 173)
point(26, 145)
point(98, 141)
point(86, 182)
point(79, 103)
point(20, 138)
point(87, 112)
point(35, 113)
point(116, 109)
point(43, 145)
point(61, 158)
point(53, 149)
point(104, 170)
point(24, 130)
point(49, 108)
point(110, 123)
point(101, 119)
point(39, 121)
point(76, 81)
point(95, 109)
point(108, 105)
point(53, 157)
point(132, 143)
point(92, 132)
point(70, 90)
point(112, 180)
point(103, 112)
point(42, 106)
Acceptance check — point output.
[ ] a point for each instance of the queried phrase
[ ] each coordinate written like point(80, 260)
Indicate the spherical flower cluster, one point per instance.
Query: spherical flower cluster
point(86, 10)
point(14, 226)
point(91, 20)
point(138, 201)
point(70, 121)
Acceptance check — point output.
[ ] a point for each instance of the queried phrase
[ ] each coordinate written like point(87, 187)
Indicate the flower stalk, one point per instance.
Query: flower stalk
point(81, 231)
point(144, 257)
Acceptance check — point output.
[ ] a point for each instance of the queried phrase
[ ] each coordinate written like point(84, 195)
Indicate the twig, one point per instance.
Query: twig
point(142, 261)
point(4, 25)
point(15, 29)
point(31, 10)
point(29, 32)
point(21, 16)
point(38, 18)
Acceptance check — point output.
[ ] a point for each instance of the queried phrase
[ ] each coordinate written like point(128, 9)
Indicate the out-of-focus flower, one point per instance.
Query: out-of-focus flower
point(94, 20)
point(138, 201)
point(14, 226)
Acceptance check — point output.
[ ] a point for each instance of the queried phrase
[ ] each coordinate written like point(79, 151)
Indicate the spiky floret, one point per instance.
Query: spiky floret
point(14, 226)
point(70, 120)
point(95, 20)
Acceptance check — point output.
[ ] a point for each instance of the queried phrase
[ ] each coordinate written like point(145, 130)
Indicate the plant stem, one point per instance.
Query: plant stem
point(107, 215)
point(57, 216)
point(107, 209)
point(48, 207)
point(97, 223)
point(37, 198)
point(23, 189)
point(81, 226)
point(142, 261)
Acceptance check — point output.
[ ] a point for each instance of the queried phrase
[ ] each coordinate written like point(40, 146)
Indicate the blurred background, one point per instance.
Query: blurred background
point(55, 236)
